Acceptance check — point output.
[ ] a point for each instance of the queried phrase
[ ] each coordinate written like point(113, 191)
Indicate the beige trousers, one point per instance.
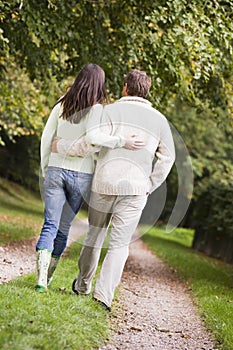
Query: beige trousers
point(124, 213)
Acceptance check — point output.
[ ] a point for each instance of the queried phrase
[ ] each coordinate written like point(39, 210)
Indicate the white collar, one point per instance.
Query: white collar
point(134, 99)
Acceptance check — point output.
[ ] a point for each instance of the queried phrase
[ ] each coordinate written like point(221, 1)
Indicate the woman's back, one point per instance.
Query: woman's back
point(57, 126)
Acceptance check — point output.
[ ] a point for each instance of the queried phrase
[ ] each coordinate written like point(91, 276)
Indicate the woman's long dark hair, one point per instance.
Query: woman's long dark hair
point(87, 90)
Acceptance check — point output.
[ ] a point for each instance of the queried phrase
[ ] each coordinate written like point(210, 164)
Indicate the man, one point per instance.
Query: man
point(122, 181)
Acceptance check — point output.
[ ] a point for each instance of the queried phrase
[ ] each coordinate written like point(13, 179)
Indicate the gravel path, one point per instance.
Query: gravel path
point(19, 258)
point(154, 310)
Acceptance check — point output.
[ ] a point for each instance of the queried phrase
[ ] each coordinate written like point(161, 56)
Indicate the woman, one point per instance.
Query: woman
point(68, 179)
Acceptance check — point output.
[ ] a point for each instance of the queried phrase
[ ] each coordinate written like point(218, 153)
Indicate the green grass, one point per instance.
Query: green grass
point(21, 212)
point(210, 280)
point(58, 319)
point(17, 200)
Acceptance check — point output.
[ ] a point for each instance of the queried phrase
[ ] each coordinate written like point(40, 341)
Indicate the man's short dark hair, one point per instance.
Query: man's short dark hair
point(138, 83)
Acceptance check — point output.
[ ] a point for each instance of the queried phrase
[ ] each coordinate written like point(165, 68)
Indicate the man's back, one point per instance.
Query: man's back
point(123, 172)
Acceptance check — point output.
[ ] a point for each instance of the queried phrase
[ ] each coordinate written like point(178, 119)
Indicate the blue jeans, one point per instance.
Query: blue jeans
point(64, 191)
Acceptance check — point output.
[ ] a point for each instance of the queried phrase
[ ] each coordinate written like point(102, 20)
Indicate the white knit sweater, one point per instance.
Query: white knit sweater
point(57, 126)
point(123, 172)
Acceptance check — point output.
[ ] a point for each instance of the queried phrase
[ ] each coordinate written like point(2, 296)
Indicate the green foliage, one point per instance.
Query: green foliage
point(67, 321)
point(23, 107)
point(186, 47)
point(210, 281)
point(213, 221)
point(209, 142)
point(25, 153)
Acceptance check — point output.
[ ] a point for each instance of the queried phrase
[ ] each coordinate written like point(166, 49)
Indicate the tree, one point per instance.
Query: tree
point(210, 148)
point(185, 46)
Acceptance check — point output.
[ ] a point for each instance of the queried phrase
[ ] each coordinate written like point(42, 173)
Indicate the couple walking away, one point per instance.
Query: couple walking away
point(125, 137)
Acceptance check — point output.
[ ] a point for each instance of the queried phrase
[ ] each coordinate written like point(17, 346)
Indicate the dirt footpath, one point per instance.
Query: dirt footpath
point(154, 309)
point(19, 258)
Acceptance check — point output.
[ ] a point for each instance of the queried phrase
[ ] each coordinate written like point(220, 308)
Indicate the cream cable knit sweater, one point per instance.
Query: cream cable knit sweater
point(57, 126)
point(123, 172)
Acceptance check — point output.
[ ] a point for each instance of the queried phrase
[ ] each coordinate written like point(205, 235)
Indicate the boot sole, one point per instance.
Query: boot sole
point(40, 289)
point(73, 287)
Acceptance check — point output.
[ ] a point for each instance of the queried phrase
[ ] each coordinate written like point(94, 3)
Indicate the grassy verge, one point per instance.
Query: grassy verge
point(58, 319)
point(55, 320)
point(21, 213)
point(210, 280)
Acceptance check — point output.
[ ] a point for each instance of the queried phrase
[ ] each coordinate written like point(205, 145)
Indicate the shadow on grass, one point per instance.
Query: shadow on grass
point(6, 190)
point(27, 282)
point(17, 191)
point(20, 209)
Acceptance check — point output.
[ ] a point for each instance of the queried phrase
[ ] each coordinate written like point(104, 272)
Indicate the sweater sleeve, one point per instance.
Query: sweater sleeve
point(98, 130)
point(165, 158)
point(80, 148)
point(48, 134)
